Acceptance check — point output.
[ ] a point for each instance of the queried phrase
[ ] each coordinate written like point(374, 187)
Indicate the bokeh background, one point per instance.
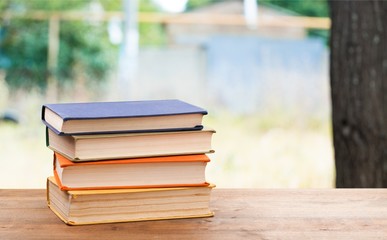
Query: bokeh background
point(260, 68)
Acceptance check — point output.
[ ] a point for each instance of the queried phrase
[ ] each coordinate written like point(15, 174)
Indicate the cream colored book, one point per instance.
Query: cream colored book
point(126, 205)
point(130, 145)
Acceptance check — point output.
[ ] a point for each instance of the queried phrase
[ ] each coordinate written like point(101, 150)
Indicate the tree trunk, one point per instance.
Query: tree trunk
point(358, 71)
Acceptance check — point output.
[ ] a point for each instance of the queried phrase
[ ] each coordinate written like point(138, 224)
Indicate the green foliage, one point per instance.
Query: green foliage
point(311, 8)
point(84, 46)
point(192, 4)
point(151, 34)
point(24, 53)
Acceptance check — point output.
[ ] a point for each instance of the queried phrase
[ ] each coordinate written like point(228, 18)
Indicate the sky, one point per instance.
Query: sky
point(172, 5)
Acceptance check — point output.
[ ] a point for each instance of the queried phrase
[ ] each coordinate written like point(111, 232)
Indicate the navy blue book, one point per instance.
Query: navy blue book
point(122, 117)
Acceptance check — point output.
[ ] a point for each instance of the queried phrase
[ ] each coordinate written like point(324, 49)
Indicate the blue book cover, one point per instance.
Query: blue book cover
point(125, 116)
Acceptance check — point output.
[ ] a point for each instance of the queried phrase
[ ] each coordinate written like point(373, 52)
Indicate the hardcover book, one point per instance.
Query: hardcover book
point(130, 145)
point(118, 117)
point(173, 171)
point(125, 205)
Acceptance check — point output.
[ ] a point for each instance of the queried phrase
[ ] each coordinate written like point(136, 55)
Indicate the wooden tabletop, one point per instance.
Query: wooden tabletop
point(239, 214)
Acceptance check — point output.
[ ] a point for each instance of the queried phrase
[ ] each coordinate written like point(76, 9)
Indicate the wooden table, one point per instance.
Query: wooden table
point(239, 214)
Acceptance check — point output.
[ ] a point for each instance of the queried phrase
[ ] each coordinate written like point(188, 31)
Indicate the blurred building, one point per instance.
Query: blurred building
point(197, 34)
point(241, 69)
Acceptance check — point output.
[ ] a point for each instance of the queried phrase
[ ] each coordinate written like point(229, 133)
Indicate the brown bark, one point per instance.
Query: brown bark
point(358, 70)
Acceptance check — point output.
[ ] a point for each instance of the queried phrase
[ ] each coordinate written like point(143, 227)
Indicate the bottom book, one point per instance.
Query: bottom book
point(126, 205)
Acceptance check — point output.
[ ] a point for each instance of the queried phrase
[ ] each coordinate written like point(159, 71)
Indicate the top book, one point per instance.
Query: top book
point(120, 117)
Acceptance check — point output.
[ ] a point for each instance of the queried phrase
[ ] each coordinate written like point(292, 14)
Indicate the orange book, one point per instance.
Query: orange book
point(152, 172)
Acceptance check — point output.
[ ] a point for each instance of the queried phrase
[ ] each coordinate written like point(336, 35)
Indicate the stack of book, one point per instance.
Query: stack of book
point(127, 161)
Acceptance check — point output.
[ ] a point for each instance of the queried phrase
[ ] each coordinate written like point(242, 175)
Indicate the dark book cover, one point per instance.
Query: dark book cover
point(124, 109)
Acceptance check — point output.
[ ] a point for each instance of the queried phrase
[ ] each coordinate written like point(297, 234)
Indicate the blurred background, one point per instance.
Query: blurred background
point(260, 68)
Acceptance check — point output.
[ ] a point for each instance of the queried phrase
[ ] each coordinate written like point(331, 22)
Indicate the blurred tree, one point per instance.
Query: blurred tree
point(23, 46)
point(23, 52)
point(151, 34)
point(192, 4)
point(359, 92)
point(84, 45)
point(310, 8)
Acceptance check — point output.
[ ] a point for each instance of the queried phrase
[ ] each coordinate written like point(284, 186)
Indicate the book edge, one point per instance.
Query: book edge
point(110, 189)
point(159, 130)
point(197, 110)
point(83, 191)
point(66, 161)
point(81, 160)
point(73, 223)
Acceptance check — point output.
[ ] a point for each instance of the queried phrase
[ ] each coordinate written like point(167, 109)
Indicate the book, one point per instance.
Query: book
point(171, 171)
point(125, 205)
point(130, 145)
point(118, 117)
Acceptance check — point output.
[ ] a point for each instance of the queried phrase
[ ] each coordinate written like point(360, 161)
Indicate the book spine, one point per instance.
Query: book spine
point(47, 138)
point(43, 112)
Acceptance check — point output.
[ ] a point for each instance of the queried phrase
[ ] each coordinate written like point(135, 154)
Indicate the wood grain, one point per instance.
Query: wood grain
point(239, 214)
